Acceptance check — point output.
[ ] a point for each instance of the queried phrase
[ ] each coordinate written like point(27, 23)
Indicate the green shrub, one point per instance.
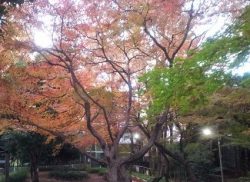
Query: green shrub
point(17, 176)
point(68, 175)
point(244, 179)
point(1, 178)
point(64, 168)
point(99, 171)
point(73, 169)
point(93, 170)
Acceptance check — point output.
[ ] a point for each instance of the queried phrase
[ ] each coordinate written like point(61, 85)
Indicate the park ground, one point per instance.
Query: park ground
point(43, 177)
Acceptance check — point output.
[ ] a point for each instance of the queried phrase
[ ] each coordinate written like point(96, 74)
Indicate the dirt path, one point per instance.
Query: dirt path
point(43, 177)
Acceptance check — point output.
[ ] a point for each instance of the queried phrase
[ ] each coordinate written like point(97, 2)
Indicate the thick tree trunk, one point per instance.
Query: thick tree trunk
point(118, 173)
point(112, 175)
point(123, 174)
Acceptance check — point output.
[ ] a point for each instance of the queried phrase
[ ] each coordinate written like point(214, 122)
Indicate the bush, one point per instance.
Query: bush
point(244, 179)
point(100, 171)
point(93, 170)
point(68, 175)
point(18, 176)
point(62, 167)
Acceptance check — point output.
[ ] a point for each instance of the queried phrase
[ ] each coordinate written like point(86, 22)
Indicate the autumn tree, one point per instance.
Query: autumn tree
point(103, 46)
point(5, 7)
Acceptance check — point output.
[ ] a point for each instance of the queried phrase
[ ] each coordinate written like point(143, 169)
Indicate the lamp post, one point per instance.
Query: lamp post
point(220, 158)
point(208, 132)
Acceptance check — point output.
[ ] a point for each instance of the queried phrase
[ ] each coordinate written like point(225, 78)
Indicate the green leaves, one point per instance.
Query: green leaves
point(189, 83)
point(184, 87)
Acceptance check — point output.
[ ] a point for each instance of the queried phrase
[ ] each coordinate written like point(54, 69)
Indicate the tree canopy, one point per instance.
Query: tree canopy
point(116, 66)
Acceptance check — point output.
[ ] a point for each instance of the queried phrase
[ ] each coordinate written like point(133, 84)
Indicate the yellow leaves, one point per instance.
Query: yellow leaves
point(103, 97)
point(246, 132)
point(4, 124)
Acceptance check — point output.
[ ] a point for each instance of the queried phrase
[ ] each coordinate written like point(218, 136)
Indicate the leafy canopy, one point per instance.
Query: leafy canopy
point(187, 85)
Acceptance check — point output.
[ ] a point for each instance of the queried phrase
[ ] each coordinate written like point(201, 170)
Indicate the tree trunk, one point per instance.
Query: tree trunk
point(190, 174)
point(183, 161)
point(158, 170)
point(34, 168)
point(171, 133)
point(118, 173)
point(166, 178)
point(112, 175)
point(123, 174)
point(246, 161)
point(7, 167)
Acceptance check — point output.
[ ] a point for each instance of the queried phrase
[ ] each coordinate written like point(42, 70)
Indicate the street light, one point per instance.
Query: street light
point(209, 132)
point(136, 136)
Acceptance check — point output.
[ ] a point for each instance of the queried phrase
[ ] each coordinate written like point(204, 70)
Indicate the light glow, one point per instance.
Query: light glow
point(42, 39)
point(136, 136)
point(207, 132)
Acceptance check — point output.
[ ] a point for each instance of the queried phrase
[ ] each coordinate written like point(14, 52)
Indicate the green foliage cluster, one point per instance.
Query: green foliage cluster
point(66, 154)
point(48, 151)
point(244, 179)
point(17, 176)
point(62, 168)
point(202, 87)
point(187, 85)
point(68, 175)
point(99, 171)
point(197, 154)
point(183, 87)
point(20, 144)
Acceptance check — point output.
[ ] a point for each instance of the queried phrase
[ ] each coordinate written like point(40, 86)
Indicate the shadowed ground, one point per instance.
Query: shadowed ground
point(43, 177)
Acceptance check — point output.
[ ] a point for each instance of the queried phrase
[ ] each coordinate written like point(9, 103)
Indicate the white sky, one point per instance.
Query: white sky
point(43, 37)
point(242, 69)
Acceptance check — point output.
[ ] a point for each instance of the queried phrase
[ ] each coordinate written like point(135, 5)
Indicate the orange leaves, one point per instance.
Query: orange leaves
point(42, 99)
point(100, 48)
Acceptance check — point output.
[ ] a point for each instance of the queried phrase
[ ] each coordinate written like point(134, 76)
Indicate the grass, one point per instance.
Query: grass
point(142, 176)
point(146, 177)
